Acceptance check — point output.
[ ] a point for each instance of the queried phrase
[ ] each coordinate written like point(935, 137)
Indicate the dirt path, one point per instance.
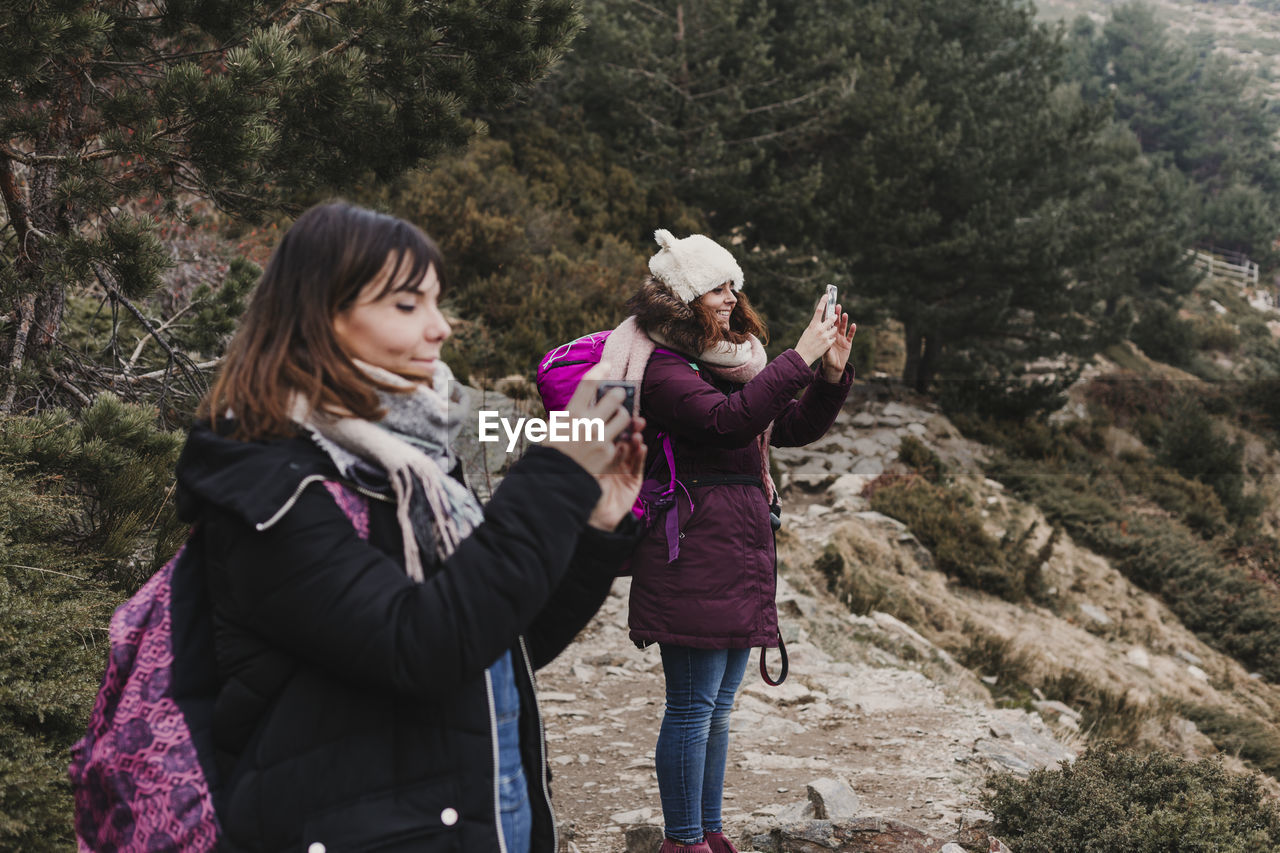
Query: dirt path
point(910, 750)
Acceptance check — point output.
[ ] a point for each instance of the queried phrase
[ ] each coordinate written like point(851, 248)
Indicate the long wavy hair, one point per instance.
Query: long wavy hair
point(286, 345)
point(743, 323)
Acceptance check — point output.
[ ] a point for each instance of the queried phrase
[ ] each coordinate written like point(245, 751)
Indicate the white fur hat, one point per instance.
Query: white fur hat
point(693, 266)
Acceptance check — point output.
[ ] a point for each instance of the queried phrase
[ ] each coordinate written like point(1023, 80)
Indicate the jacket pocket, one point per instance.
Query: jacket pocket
point(421, 817)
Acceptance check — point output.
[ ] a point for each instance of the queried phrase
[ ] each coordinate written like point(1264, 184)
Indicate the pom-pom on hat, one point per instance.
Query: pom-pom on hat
point(693, 266)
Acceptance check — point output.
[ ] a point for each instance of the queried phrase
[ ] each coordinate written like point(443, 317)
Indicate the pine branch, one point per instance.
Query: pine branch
point(73, 390)
point(142, 342)
point(160, 374)
point(105, 279)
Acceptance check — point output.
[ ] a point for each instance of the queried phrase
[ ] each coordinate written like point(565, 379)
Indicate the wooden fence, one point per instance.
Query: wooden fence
point(1243, 272)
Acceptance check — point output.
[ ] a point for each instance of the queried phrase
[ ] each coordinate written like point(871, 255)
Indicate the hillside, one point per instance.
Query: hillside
point(1246, 32)
point(908, 687)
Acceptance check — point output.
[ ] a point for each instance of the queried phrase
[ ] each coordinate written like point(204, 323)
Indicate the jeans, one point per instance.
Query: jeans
point(693, 744)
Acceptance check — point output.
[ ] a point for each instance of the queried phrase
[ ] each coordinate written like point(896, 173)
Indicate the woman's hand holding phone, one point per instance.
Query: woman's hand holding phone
point(617, 463)
point(595, 454)
point(837, 355)
point(818, 336)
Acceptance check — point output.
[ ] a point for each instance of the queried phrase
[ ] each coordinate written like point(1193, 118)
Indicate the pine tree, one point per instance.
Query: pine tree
point(249, 104)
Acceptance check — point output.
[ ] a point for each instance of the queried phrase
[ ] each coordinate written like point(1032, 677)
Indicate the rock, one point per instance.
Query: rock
point(917, 429)
point(643, 839)
point(1139, 658)
point(861, 835)
point(867, 447)
point(873, 517)
point(849, 485)
point(863, 420)
point(952, 847)
point(811, 476)
point(833, 799)
point(868, 466)
point(1197, 673)
point(802, 812)
point(997, 846)
point(1056, 707)
point(633, 816)
point(1095, 614)
point(1189, 658)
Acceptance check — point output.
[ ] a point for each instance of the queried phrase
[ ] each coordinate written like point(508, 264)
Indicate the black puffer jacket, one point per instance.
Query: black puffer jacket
point(353, 707)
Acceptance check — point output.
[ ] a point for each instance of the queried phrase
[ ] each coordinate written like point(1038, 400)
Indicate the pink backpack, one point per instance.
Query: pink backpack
point(558, 376)
point(142, 775)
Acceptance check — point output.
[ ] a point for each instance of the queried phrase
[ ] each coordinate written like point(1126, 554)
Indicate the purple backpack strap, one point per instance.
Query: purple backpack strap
point(354, 504)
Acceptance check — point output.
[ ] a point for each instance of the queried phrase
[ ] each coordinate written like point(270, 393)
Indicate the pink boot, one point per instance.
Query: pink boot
point(719, 843)
point(669, 846)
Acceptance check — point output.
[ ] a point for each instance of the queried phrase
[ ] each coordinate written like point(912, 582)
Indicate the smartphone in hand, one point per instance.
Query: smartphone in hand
point(831, 302)
point(629, 387)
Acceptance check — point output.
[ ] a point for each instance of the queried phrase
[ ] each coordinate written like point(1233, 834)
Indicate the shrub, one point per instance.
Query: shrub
point(952, 530)
point(1217, 335)
point(1191, 500)
point(1195, 448)
point(1120, 802)
point(1253, 740)
point(83, 519)
point(913, 453)
point(1163, 335)
point(1229, 608)
point(1129, 396)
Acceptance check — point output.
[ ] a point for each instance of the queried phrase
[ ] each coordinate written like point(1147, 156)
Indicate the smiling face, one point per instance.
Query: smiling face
point(398, 328)
point(720, 303)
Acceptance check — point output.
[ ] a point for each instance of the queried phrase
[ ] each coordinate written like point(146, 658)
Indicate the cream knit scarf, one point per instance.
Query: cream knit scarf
point(628, 348)
point(412, 444)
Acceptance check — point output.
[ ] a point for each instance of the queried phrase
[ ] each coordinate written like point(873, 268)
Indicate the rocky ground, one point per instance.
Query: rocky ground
point(876, 725)
point(889, 741)
point(879, 741)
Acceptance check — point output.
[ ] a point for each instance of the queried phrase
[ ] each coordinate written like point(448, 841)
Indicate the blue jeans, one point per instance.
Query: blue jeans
point(693, 744)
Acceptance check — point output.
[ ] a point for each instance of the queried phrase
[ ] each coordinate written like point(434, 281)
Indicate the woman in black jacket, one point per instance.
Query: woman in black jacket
point(375, 686)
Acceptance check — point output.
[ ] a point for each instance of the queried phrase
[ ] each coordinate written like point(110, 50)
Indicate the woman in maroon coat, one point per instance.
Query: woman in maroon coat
point(706, 594)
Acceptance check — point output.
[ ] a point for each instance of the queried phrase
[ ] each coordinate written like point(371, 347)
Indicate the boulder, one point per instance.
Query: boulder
point(833, 799)
point(643, 839)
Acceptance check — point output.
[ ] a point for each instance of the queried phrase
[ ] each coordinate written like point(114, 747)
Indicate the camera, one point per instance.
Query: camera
point(628, 402)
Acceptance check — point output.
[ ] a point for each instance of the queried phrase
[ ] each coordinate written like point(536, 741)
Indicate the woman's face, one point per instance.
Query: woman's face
point(720, 302)
point(401, 330)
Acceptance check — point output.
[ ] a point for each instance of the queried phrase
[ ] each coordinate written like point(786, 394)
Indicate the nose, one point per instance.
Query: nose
point(438, 329)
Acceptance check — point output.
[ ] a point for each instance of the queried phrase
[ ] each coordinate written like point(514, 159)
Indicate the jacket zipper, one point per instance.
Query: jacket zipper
point(293, 499)
point(497, 762)
point(542, 747)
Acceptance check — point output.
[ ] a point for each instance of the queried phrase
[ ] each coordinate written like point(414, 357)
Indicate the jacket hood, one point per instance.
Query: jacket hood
point(658, 310)
point(255, 480)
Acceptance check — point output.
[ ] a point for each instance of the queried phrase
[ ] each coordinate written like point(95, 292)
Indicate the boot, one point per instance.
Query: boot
point(669, 846)
point(719, 843)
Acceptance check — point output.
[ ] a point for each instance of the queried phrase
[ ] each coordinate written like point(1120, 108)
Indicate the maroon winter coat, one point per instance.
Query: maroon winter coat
point(719, 592)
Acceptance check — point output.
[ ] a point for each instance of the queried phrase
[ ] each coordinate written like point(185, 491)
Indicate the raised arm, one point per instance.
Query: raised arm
point(311, 586)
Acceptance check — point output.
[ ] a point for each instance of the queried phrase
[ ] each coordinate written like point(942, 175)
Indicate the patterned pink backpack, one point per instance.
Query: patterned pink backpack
point(143, 775)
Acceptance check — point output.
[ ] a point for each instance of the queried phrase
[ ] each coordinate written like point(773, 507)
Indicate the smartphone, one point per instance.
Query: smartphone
point(628, 402)
point(831, 302)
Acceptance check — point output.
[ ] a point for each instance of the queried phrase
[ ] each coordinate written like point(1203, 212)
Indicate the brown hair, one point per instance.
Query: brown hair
point(743, 323)
point(286, 344)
